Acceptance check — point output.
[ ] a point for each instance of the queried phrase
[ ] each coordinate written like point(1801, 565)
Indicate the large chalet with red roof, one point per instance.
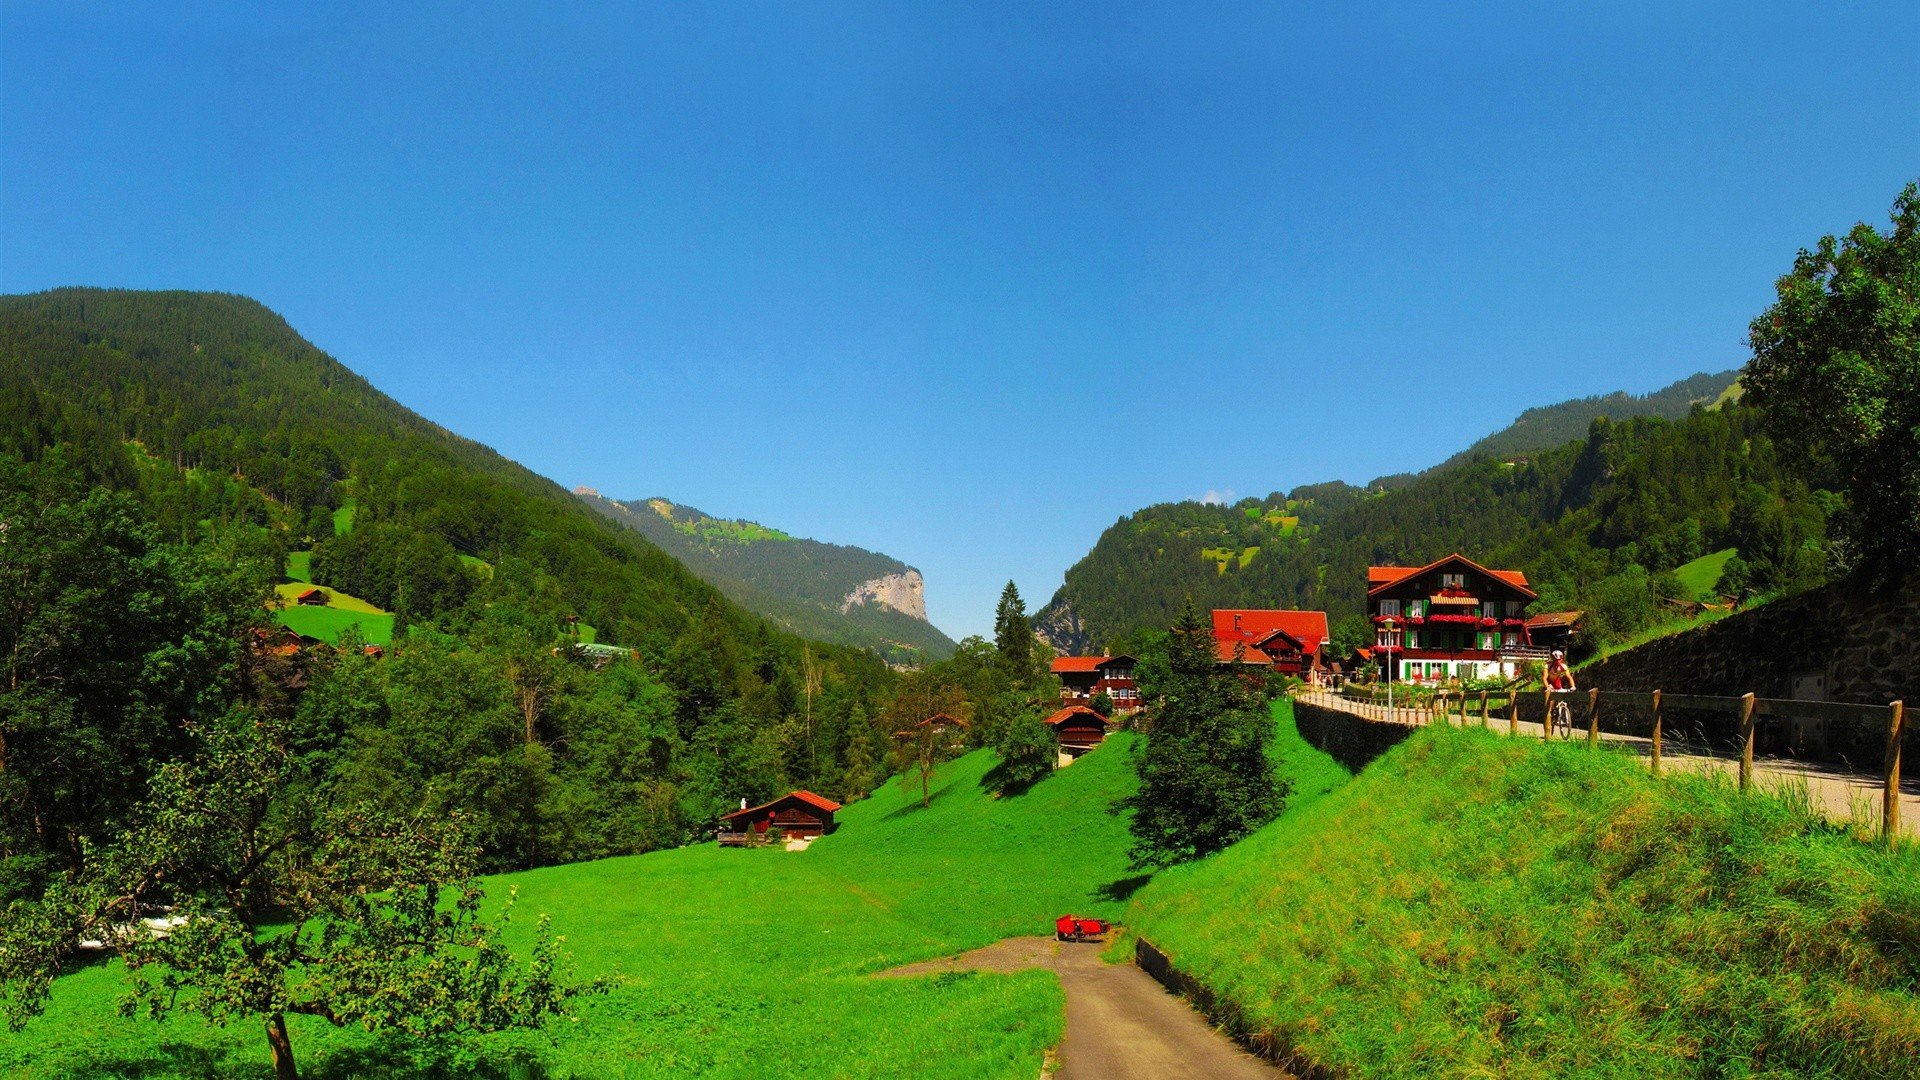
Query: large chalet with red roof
point(1081, 677)
point(1283, 642)
point(1453, 619)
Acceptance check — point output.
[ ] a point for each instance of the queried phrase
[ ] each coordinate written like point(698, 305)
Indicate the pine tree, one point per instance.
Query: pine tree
point(1206, 778)
point(1013, 631)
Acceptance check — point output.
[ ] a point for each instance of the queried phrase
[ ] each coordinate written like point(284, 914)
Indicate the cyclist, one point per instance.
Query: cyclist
point(1560, 677)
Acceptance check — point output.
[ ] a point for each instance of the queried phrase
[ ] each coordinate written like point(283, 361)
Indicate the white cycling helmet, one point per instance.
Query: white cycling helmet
point(1558, 655)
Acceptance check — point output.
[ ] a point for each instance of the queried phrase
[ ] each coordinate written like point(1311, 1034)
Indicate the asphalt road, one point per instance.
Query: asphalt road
point(1121, 1024)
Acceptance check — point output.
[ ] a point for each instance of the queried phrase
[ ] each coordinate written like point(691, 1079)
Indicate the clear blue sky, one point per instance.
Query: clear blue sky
point(962, 283)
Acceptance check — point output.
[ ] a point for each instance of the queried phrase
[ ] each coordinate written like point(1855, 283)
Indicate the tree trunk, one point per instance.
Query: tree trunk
point(283, 1067)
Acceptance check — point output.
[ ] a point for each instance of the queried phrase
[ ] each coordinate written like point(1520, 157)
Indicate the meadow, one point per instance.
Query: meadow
point(747, 963)
point(1472, 905)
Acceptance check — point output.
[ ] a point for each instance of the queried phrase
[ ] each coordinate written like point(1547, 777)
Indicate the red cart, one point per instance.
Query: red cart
point(1072, 928)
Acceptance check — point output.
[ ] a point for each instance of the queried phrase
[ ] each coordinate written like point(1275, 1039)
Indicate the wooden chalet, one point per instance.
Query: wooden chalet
point(312, 598)
point(1273, 640)
point(1554, 629)
point(796, 814)
point(1081, 677)
point(1078, 728)
point(1451, 619)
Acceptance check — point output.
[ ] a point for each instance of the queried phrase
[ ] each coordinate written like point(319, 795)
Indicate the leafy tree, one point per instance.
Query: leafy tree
point(1736, 579)
point(1836, 373)
point(376, 919)
point(1102, 703)
point(1028, 753)
point(926, 745)
point(1206, 776)
point(1013, 631)
point(1350, 632)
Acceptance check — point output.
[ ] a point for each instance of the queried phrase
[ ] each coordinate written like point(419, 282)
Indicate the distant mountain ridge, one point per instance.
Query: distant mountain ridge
point(1547, 426)
point(832, 592)
point(1575, 496)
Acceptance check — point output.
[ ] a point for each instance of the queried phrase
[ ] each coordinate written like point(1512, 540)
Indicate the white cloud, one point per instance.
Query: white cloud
point(1217, 498)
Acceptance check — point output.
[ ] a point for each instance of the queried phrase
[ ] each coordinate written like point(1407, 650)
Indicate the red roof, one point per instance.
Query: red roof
point(1380, 577)
point(1072, 711)
point(1071, 664)
point(1225, 651)
point(818, 802)
point(1553, 620)
point(321, 593)
point(1252, 626)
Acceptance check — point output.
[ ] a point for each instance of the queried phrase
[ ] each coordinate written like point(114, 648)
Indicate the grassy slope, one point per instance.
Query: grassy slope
point(1476, 906)
point(753, 963)
point(749, 963)
point(1701, 575)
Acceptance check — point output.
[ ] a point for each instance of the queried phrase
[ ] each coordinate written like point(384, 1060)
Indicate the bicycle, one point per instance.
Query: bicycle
point(1562, 719)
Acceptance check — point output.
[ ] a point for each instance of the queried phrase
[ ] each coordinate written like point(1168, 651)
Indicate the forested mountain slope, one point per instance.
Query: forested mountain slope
point(1594, 523)
point(1548, 426)
point(198, 436)
point(830, 592)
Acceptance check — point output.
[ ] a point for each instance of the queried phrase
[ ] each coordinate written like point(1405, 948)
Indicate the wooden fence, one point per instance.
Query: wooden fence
point(1745, 711)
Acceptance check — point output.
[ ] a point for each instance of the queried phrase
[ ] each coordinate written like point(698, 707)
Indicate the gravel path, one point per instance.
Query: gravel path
point(1121, 1025)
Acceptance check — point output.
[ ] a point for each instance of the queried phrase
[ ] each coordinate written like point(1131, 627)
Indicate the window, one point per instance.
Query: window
point(1416, 609)
point(1390, 607)
point(1514, 607)
point(1490, 609)
point(1453, 581)
point(1413, 639)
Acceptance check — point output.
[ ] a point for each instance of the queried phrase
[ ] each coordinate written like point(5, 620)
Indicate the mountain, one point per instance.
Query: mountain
point(830, 592)
point(1549, 426)
point(1593, 521)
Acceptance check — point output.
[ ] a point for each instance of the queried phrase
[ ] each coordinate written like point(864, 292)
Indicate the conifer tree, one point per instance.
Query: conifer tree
point(1206, 778)
point(1013, 631)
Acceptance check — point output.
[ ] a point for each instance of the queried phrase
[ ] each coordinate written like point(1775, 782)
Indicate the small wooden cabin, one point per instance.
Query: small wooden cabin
point(795, 814)
point(1078, 728)
point(312, 598)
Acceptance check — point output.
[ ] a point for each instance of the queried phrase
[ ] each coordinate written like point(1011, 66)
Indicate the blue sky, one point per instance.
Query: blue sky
point(962, 283)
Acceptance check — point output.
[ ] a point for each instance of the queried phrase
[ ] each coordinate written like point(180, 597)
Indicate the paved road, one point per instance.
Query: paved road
point(1121, 1025)
point(1840, 792)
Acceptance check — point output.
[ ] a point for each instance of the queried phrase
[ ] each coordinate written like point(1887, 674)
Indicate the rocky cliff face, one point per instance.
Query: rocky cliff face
point(1059, 626)
point(904, 592)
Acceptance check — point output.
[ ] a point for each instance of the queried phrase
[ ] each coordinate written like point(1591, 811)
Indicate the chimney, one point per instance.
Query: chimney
point(1236, 620)
point(743, 804)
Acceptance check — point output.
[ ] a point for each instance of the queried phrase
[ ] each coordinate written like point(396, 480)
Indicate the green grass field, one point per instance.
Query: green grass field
point(1477, 906)
point(1701, 575)
point(300, 566)
point(328, 624)
point(343, 519)
point(742, 963)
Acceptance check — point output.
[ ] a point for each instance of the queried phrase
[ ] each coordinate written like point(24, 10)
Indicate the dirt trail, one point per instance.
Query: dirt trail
point(1121, 1025)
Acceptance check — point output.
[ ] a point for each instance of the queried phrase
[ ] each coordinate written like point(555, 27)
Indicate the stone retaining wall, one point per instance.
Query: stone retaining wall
point(1228, 1016)
point(1353, 741)
point(1847, 641)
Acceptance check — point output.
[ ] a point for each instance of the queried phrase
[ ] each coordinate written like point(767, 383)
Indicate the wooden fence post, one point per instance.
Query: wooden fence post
point(1483, 710)
point(1656, 733)
point(1513, 711)
point(1546, 718)
point(1746, 741)
point(1890, 816)
point(1593, 717)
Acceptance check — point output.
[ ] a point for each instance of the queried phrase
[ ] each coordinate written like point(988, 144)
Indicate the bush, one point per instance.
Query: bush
point(1028, 753)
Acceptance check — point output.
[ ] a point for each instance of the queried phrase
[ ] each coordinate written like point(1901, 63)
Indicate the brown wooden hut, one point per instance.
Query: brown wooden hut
point(795, 814)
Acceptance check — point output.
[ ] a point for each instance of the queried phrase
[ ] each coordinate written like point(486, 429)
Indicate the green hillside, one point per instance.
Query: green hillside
point(1473, 905)
point(1596, 524)
point(802, 585)
point(719, 949)
point(1548, 426)
point(723, 952)
point(1700, 576)
point(200, 433)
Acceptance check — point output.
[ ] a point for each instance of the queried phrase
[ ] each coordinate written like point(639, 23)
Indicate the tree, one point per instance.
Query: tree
point(925, 746)
point(1350, 633)
point(376, 917)
point(1836, 373)
point(1028, 753)
point(1102, 703)
point(1013, 632)
point(1206, 776)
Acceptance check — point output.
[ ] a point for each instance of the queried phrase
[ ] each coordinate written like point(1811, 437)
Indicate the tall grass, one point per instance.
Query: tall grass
point(1477, 906)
